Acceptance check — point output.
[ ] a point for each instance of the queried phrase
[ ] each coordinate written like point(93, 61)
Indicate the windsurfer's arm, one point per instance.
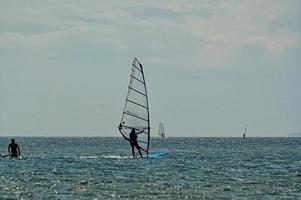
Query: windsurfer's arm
point(120, 127)
point(141, 131)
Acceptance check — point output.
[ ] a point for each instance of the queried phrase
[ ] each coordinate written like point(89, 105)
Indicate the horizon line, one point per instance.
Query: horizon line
point(5, 136)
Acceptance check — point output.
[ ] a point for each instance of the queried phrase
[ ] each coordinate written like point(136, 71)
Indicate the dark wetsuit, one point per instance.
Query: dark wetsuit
point(134, 143)
point(133, 138)
point(14, 149)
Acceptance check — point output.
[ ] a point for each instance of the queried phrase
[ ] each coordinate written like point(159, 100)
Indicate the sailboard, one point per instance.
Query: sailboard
point(136, 109)
point(157, 154)
point(161, 130)
point(245, 132)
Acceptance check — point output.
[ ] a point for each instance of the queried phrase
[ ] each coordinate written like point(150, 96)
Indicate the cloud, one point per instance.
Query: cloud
point(244, 24)
point(175, 6)
point(96, 13)
point(281, 42)
point(217, 55)
point(218, 28)
point(156, 60)
point(226, 32)
point(39, 39)
point(222, 29)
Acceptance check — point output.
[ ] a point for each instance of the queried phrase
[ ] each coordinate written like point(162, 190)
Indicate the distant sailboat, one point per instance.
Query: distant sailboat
point(161, 131)
point(245, 132)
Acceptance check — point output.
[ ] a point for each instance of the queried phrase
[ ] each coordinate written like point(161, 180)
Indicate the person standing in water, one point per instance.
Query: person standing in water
point(13, 149)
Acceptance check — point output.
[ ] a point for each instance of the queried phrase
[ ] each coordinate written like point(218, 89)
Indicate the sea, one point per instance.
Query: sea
point(194, 168)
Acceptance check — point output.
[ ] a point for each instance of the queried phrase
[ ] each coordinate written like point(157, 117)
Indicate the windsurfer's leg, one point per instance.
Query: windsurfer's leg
point(137, 146)
point(133, 151)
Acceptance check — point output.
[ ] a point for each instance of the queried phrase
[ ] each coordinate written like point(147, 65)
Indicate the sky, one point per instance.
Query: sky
point(210, 66)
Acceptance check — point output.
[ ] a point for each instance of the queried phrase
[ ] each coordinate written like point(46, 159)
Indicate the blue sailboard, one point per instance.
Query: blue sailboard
point(157, 154)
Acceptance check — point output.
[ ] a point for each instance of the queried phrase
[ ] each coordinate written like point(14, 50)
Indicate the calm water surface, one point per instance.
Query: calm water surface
point(195, 168)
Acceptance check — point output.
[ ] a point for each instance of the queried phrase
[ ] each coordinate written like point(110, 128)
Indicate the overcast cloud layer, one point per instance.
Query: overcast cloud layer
point(210, 66)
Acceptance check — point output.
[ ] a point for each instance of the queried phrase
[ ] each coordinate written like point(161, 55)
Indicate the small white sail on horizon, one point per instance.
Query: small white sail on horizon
point(161, 130)
point(245, 131)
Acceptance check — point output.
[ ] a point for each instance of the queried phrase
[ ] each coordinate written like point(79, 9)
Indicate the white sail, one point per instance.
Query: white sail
point(245, 131)
point(161, 131)
point(136, 109)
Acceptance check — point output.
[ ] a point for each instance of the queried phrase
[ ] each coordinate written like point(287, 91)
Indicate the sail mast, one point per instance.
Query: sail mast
point(148, 125)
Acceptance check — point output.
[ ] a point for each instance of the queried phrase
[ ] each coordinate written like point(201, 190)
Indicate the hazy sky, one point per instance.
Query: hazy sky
point(210, 66)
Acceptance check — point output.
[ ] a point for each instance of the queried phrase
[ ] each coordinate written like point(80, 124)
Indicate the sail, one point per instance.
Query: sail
point(136, 109)
point(161, 131)
point(245, 131)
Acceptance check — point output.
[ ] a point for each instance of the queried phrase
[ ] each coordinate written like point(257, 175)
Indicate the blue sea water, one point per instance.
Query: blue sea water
point(195, 168)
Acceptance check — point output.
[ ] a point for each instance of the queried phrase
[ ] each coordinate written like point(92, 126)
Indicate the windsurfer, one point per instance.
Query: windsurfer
point(133, 141)
point(13, 149)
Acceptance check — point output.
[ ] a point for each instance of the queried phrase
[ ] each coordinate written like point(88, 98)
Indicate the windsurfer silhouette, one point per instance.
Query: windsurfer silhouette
point(13, 149)
point(133, 136)
point(133, 141)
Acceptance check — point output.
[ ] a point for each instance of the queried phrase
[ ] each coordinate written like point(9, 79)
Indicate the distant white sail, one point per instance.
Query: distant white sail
point(245, 131)
point(161, 131)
